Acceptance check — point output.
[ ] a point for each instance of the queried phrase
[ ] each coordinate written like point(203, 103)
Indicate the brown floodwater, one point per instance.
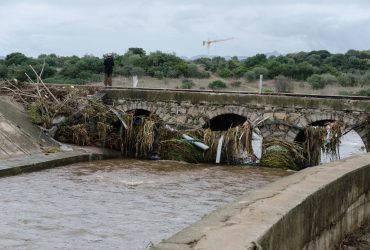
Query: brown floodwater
point(116, 204)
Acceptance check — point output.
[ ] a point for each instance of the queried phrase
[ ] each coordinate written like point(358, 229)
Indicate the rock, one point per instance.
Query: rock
point(52, 131)
point(58, 120)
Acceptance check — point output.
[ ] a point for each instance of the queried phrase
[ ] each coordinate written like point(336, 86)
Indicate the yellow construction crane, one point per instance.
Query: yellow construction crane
point(209, 42)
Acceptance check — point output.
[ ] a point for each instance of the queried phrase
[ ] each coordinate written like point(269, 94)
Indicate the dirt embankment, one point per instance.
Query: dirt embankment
point(357, 240)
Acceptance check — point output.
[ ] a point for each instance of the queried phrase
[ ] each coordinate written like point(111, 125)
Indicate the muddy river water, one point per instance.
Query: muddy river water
point(116, 204)
point(122, 204)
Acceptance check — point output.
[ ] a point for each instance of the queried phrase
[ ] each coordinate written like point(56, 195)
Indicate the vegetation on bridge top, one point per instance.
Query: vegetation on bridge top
point(207, 98)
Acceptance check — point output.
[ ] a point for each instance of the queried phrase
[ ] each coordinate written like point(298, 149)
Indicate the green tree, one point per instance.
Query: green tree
point(18, 72)
point(302, 70)
point(239, 71)
point(260, 71)
point(3, 71)
point(225, 73)
point(252, 61)
point(16, 58)
point(137, 51)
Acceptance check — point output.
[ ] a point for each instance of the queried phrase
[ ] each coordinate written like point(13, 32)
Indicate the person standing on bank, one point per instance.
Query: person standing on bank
point(108, 69)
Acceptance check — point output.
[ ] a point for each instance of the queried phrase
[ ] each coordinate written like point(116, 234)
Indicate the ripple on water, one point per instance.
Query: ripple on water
point(116, 204)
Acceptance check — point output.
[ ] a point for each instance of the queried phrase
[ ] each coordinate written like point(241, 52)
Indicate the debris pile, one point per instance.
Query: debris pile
point(236, 145)
point(74, 115)
point(278, 153)
point(322, 139)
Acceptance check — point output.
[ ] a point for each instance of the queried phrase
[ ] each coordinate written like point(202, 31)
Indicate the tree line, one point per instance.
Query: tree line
point(319, 68)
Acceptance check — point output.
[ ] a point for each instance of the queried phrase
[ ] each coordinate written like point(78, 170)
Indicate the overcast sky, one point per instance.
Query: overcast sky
point(95, 27)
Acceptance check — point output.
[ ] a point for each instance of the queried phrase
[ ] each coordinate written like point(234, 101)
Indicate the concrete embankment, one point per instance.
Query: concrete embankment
point(312, 209)
point(35, 162)
point(18, 136)
point(22, 144)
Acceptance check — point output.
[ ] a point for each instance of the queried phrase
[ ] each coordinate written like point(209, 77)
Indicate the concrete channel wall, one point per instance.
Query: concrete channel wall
point(311, 209)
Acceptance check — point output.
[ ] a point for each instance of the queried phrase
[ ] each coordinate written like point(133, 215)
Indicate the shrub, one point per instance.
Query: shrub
point(365, 79)
point(328, 79)
point(283, 84)
point(348, 79)
point(158, 74)
point(250, 76)
point(267, 90)
point(217, 85)
point(172, 74)
point(203, 74)
point(316, 82)
point(82, 79)
point(137, 71)
point(187, 84)
point(122, 71)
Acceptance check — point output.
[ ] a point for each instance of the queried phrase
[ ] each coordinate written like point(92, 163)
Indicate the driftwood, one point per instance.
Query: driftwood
point(47, 89)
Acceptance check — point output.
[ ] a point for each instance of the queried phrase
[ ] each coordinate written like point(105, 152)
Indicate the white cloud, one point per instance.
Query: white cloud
point(79, 27)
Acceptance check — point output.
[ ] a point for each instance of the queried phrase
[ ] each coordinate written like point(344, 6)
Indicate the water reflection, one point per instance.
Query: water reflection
point(351, 144)
point(120, 204)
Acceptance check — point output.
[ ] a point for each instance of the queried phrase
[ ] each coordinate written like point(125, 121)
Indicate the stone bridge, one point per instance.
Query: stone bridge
point(286, 115)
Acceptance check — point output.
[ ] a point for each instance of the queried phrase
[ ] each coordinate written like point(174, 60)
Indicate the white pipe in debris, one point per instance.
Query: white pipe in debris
point(261, 82)
point(196, 143)
point(219, 147)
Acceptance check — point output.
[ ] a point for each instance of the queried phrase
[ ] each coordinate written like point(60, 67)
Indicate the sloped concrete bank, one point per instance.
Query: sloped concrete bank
point(18, 136)
point(22, 144)
point(36, 162)
point(312, 209)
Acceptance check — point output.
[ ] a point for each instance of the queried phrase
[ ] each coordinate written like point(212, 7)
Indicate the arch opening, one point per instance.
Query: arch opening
point(225, 121)
point(351, 143)
point(139, 112)
point(300, 138)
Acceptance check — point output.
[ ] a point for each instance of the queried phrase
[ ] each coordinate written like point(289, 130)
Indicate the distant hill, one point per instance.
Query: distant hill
point(210, 56)
point(273, 53)
point(2, 57)
point(268, 54)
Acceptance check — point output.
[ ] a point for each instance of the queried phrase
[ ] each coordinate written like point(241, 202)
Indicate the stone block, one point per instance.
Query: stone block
point(292, 117)
point(268, 115)
point(181, 119)
point(280, 116)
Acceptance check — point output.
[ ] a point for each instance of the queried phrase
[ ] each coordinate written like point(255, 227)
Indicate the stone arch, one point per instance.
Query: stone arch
point(349, 120)
point(225, 121)
point(279, 129)
point(365, 137)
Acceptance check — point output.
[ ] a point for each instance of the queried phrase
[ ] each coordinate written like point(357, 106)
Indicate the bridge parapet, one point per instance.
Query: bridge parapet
point(312, 209)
